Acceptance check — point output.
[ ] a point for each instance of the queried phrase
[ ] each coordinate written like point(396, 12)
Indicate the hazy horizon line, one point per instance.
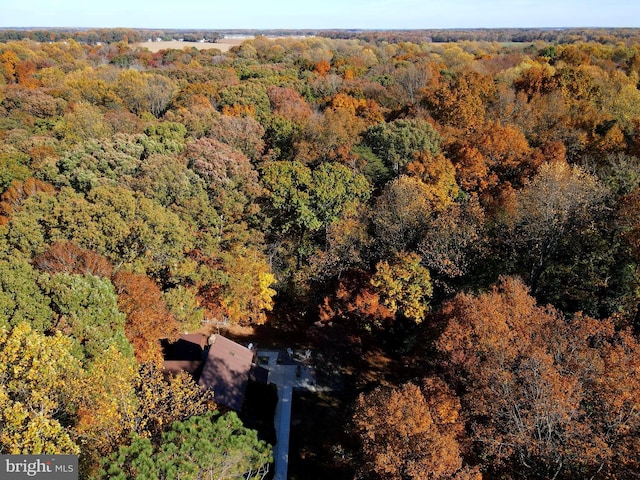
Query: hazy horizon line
point(349, 29)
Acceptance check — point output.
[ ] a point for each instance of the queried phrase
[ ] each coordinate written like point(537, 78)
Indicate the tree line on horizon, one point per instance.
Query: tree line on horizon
point(93, 36)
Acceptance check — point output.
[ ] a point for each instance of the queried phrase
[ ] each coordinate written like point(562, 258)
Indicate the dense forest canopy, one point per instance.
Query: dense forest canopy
point(468, 201)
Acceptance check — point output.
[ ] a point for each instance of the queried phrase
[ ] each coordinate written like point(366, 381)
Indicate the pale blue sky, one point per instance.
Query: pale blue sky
point(372, 14)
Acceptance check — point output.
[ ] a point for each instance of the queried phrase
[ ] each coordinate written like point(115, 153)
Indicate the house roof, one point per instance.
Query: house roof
point(189, 346)
point(226, 371)
point(176, 366)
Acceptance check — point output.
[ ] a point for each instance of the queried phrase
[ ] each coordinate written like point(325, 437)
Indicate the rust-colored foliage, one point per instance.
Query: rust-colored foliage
point(40, 153)
point(24, 74)
point(471, 168)
point(458, 102)
point(411, 432)
point(148, 319)
point(547, 396)
point(322, 67)
point(68, 257)
point(554, 151)
point(237, 110)
point(497, 155)
point(365, 109)
point(355, 302)
point(507, 153)
point(18, 192)
point(288, 103)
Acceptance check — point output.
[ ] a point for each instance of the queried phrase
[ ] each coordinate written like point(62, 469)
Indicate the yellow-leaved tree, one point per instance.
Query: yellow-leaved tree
point(404, 285)
point(108, 404)
point(39, 383)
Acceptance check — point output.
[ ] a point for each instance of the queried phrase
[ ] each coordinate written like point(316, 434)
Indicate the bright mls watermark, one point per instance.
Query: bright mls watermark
point(49, 467)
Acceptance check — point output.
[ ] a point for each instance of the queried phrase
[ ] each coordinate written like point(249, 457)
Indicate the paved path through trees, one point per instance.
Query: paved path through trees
point(286, 375)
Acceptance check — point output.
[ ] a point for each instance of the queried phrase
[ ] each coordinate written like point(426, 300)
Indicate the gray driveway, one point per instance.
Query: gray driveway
point(286, 374)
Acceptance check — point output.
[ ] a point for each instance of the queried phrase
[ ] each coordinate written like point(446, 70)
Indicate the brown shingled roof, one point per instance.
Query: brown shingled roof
point(226, 371)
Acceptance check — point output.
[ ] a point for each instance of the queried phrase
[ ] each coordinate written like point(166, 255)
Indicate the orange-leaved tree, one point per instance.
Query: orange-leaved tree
point(547, 396)
point(148, 319)
point(411, 432)
point(68, 257)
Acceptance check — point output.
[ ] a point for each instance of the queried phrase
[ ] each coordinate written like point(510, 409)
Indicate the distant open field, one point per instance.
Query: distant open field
point(224, 44)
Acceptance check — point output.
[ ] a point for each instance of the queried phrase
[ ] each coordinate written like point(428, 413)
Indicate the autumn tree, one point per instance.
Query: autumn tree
point(438, 174)
point(14, 168)
point(9, 61)
point(282, 135)
point(107, 407)
point(454, 242)
point(347, 245)
point(82, 122)
point(168, 181)
point(147, 317)
point(322, 67)
point(92, 86)
point(329, 137)
point(164, 399)
point(535, 79)
point(120, 398)
point(412, 78)
point(507, 153)
point(145, 92)
point(246, 98)
point(244, 134)
point(533, 380)
point(458, 100)
point(12, 198)
point(374, 174)
point(288, 103)
point(69, 258)
point(26, 106)
point(400, 215)
point(365, 111)
point(231, 180)
point(356, 304)
point(38, 392)
point(114, 221)
point(234, 278)
point(559, 203)
point(492, 162)
point(412, 432)
point(404, 285)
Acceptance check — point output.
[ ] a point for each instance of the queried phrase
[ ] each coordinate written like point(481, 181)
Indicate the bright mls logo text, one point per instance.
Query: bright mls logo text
point(50, 467)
